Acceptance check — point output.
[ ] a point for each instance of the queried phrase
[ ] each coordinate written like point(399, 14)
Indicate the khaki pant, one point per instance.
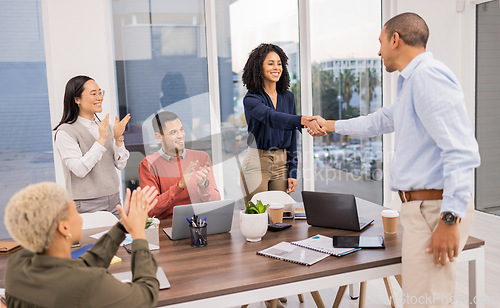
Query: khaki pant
point(425, 284)
point(263, 171)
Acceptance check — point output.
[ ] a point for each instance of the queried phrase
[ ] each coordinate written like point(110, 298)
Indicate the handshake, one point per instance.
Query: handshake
point(317, 126)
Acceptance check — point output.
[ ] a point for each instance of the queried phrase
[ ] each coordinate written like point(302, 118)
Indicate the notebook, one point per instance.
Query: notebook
point(323, 244)
point(219, 218)
point(7, 247)
point(331, 210)
point(126, 277)
point(77, 253)
point(292, 253)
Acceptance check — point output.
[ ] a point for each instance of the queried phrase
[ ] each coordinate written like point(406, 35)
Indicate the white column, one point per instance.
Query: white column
point(78, 41)
point(306, 91)
point(213, 90)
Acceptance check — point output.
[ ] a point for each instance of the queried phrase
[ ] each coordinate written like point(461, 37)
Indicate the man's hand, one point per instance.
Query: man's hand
point(103, 130)
point(188, 173)
point(292, 185)
point(313, 127)
point(202, 174)
point(444, 242)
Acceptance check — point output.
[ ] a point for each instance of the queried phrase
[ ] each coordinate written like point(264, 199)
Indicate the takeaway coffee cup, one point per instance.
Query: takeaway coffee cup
point(390, 221)
point(276, 212)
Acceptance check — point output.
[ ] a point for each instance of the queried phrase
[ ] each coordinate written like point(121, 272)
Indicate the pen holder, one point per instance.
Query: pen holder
point(198, 236)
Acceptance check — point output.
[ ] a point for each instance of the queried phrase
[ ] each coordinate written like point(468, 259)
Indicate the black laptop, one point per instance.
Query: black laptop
point(332, 210)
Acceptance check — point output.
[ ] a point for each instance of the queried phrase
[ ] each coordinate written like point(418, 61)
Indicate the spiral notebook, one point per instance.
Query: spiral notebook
point(324, 244)
point(292, 253)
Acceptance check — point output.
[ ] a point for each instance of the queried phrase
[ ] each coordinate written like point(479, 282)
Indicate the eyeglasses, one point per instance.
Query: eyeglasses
point(95, 95)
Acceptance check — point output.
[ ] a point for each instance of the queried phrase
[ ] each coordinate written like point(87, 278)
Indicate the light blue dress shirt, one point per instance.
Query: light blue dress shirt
point(435, 147)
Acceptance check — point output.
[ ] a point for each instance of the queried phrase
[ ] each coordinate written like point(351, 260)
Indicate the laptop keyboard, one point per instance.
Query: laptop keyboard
point(363, 222)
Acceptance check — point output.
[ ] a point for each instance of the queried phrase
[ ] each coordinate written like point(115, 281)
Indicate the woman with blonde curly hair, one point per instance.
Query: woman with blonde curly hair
point(44, 220)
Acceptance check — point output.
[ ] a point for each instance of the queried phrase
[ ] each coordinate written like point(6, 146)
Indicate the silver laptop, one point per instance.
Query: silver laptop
point(331, 210)
point(160, 275)
point(219, 218)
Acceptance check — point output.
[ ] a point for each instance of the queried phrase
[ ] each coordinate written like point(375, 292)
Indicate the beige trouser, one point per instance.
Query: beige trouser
point(425, 284)
point(263, 171)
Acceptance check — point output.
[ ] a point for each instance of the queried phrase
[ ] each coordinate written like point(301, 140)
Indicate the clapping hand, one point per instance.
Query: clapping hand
point(119, 127)
point(202, 174)
point(103, 130)
point(188, 173)
point(135, 211)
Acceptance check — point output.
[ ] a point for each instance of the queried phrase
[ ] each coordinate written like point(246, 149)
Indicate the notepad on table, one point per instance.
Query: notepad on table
point(323, 244)
point(292, 253)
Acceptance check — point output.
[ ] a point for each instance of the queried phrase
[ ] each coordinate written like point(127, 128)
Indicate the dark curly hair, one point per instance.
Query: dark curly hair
point(252, 72)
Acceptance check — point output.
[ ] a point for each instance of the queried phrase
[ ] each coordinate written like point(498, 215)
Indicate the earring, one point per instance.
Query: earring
point(68, 236)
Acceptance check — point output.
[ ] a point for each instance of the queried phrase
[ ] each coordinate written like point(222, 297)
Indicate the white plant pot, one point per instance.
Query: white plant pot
point(253, 226)
point(152, 235)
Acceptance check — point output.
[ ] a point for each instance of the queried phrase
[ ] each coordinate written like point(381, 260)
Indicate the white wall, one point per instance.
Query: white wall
point(451, 40)
point(78, 41)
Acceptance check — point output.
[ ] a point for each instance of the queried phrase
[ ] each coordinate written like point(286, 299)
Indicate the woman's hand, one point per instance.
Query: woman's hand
point(103, 130)
point(292, 185)
point(314, 125)
point(135, 210)
point(119, 127)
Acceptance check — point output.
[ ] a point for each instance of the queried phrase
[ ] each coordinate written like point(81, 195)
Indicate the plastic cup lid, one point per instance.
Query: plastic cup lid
point(276, 205)
point(390, 213)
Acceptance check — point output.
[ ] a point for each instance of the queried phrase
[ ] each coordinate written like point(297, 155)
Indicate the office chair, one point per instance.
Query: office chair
point(98, 219)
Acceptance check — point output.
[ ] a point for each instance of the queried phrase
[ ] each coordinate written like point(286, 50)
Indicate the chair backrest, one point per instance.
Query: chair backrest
point(98, 219)
point(273, 196)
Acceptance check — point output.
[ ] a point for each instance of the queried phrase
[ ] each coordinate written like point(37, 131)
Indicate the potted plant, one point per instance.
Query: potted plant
point(253, 221)
point(152, 233)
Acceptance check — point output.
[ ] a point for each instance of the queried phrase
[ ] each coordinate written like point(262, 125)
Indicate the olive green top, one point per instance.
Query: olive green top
point(35, 280)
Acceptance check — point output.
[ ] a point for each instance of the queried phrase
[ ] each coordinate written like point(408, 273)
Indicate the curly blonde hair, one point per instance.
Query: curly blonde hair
point(33, 214)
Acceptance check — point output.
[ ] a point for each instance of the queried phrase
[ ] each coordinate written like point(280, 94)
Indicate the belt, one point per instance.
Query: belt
point(424, 194)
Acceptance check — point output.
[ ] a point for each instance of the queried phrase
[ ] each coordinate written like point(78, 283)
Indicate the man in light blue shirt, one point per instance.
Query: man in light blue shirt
point(434, 158)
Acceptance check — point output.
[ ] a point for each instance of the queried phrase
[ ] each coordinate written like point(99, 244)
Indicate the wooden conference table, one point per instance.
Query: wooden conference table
point(228, 272)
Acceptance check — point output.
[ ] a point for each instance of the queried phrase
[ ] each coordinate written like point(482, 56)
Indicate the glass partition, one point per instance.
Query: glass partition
point(161, 64)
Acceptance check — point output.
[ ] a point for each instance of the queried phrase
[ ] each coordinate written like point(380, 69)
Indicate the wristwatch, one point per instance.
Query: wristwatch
point(205, 184)
point(450, 218)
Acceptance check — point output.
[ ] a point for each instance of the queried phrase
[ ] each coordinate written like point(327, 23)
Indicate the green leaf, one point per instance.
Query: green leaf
point(252, 208)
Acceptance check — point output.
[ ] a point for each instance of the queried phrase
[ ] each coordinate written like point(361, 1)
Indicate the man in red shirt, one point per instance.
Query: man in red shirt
point(181, 176)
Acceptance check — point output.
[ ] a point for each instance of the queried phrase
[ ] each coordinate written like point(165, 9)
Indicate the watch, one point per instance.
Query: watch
point(205, 184)
point(450, 218)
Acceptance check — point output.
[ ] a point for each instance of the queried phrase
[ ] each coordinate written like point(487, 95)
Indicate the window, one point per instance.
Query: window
point(26, 153)
point(161, 64)
point(351, 87)
point(251, 23)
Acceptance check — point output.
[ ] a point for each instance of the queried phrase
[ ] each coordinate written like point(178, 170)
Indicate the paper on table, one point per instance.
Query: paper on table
point(128, 239)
